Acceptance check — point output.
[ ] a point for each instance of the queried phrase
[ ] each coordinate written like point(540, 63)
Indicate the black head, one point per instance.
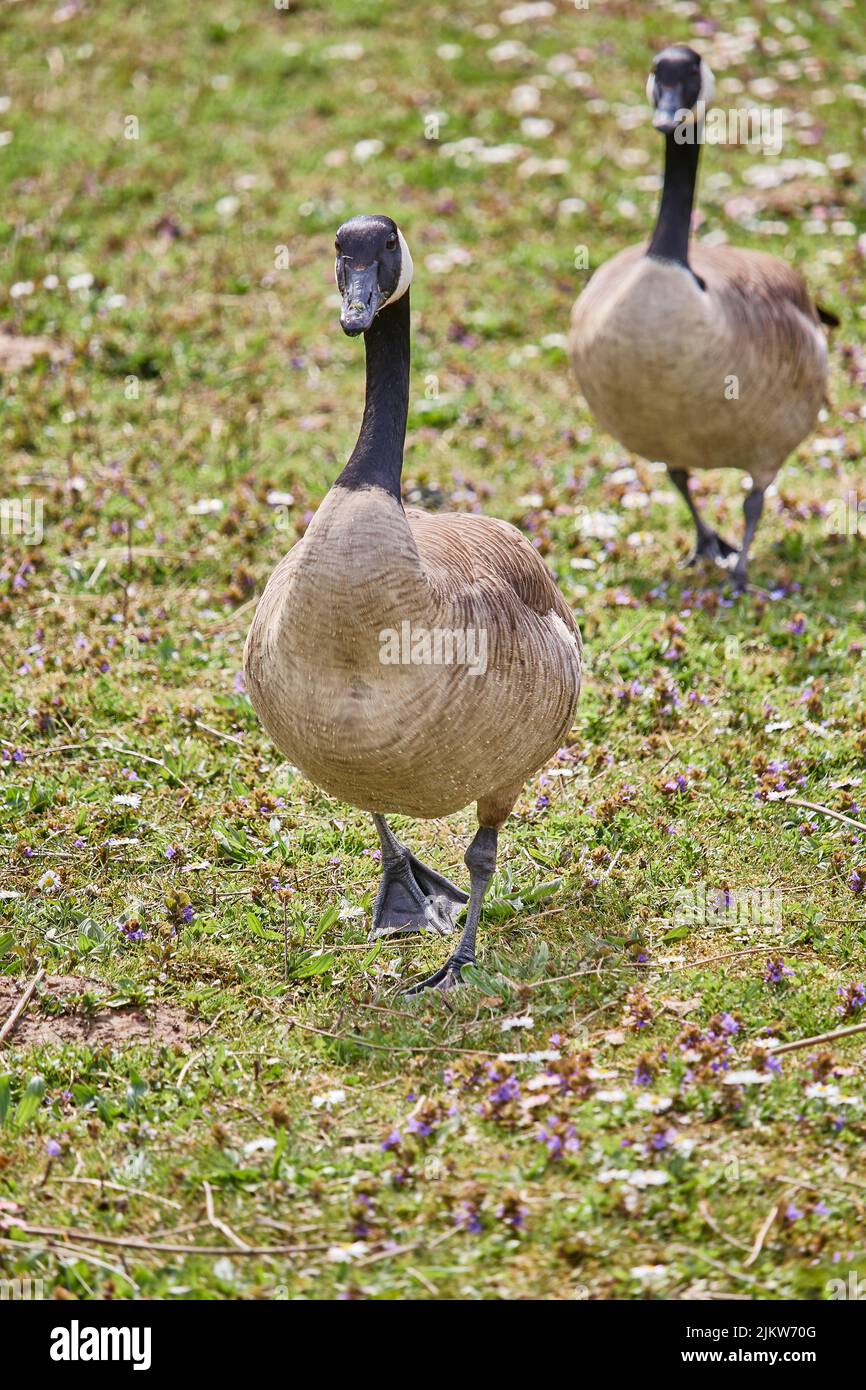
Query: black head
point(373, 268)
point(678, 81)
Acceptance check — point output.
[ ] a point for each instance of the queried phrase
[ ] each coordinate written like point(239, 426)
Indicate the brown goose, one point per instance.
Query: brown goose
point(703, 358)
point(407, 662)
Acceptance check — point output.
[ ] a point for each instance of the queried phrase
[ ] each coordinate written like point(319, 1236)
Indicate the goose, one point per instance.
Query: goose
point(700, 357)
point(410, 663)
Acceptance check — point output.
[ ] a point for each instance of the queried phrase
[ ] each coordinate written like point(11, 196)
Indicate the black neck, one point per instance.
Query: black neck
point(670, 240)
point(377, 458)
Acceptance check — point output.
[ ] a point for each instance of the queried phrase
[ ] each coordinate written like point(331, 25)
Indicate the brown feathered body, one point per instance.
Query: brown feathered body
point(414, 737)
point(732, 375)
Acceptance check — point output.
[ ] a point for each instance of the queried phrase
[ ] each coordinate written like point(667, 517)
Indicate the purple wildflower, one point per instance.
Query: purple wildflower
point(420, 1127)
point(558, 1137)
point(853, 999)
point(467, 1217)
point(776, 971)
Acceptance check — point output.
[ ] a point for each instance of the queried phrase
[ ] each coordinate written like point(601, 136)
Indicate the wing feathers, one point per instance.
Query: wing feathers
point(462, 553)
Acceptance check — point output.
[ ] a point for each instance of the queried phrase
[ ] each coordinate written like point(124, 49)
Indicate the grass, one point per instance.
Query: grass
point(154, 847)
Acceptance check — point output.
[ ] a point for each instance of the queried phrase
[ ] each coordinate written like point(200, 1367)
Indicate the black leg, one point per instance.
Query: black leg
point(481, 862)
point(709, 545)
point(752, 509)
point(411, 896)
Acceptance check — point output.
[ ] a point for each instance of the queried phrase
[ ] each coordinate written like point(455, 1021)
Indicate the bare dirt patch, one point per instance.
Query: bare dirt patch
point(17, 352)
point(39, 1025)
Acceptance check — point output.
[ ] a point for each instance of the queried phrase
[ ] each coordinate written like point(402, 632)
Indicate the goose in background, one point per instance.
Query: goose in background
point(341, 660)
point(700, 357)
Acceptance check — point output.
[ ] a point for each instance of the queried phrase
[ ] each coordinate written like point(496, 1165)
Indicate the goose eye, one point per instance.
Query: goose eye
point(391, 243)
point(337, 247)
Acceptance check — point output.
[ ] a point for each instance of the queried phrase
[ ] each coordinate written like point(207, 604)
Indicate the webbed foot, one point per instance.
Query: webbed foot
point(713, 548)
point(412, 896)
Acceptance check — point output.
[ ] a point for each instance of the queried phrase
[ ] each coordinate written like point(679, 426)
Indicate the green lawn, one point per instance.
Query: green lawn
point(565, 1126)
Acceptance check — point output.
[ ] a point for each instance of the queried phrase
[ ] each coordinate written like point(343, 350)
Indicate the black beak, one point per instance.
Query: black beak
point(670, 111)
point(362, 298)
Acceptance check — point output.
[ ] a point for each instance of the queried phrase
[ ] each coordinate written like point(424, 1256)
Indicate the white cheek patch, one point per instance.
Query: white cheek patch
point(406, 269)
point(708, 84)
point(651, 89)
